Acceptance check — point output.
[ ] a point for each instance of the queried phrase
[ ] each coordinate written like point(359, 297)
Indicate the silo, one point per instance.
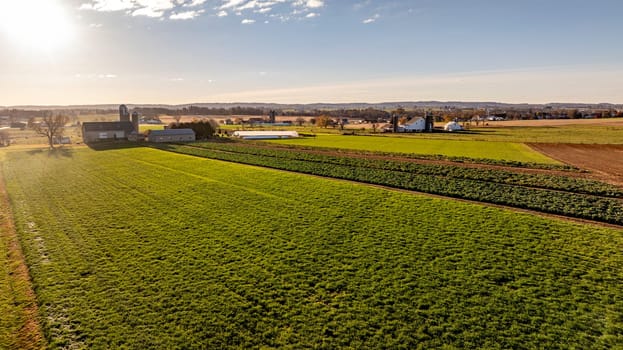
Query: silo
point(135, 120)
point(124, 113)
point(430, 122)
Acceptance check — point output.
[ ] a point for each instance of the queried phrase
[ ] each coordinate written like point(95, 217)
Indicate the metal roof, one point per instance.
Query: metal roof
point(107, 126)
point(171, 132)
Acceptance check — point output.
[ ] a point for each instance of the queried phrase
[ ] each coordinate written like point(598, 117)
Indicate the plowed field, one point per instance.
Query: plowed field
point(606, 161)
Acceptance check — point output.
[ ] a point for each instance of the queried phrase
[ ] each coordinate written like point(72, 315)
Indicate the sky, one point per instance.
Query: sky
point(69, 52)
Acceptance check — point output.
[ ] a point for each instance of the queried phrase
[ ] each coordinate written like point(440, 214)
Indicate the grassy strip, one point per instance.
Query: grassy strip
point(511, 154)
point(583, 206)
point(456, 159)
point(19, 326)
point(560, 183)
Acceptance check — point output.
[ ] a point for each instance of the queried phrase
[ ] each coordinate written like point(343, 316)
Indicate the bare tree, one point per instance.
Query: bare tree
point(300, 121)
point(51, 126)
point(177, 118)
point(4, 138)
point(323, 121)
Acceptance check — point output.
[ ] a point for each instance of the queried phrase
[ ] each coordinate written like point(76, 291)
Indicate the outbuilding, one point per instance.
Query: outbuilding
point(265, 135)
point(171, 135)
point(453, 126)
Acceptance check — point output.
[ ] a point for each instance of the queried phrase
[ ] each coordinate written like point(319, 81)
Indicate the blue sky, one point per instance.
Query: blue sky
point(304, 51)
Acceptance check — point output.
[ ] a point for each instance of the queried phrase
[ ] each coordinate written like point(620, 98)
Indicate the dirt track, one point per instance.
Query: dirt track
point(605, 161)
point(27, 333)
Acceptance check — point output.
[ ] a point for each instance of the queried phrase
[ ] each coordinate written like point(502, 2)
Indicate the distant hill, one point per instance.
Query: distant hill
point(333, 106)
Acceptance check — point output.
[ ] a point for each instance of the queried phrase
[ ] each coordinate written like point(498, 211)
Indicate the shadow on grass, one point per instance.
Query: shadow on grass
point(112, 145)
point(56, 152)
point(61, 152)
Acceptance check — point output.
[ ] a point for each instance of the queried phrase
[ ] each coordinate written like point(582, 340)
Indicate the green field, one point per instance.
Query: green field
point(141, 248)
point(587, 133)
point(451, 148)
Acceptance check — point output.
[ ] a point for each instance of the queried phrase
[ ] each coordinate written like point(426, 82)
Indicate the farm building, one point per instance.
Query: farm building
point(171, 135)
point(100, 131)
point(453, 126)
point(415, 124)
point(265, 135)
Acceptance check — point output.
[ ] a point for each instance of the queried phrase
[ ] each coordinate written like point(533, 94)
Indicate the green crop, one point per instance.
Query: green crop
point(561, 195)
point(139, 248)
point(418, 145)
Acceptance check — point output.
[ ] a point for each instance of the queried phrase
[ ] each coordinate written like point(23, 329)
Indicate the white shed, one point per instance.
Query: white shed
point(453, 126)
point(415, 124)
point(265, 135)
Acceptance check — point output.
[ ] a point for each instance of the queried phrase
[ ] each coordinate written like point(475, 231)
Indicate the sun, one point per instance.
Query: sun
point(40, 25)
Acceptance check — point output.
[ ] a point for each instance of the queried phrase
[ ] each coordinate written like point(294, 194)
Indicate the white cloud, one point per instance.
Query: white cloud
point(247, 21)
point(281, 9)
point(231, 4)
point(108, 5)
point(309, 3)
point(195, 3)
point(371, 19)
point(95, 25)
point(188, 9)
point(186, 15)
point(148, 12)
point(149, 8)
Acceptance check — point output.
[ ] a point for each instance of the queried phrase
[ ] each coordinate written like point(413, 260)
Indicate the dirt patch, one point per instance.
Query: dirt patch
point(29, 335)
point(604, 161)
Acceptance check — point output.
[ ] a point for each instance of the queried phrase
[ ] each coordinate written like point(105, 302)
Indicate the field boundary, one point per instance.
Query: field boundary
point(25, 330)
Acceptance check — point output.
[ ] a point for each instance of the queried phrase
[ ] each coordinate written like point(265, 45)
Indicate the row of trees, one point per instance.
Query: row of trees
point(203, 129)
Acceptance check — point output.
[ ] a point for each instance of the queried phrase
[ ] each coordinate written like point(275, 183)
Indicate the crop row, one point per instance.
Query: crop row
point(456, 159)
point(545, 200)
point(553, 182)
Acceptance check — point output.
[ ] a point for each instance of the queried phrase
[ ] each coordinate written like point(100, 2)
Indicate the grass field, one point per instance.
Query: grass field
point(452, 148)
point(599, 134)
point(603, 131)
point(141, 248)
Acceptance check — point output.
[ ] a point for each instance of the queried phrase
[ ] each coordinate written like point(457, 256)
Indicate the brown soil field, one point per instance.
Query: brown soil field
point(604, 161)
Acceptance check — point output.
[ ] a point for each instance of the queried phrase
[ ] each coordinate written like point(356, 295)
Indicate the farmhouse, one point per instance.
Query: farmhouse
point(101, 131)
point(265, 135)
point(171, 135)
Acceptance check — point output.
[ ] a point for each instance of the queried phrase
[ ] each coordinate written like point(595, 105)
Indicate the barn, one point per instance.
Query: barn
point(103, 131)
point(265, 135)
point(415, 124)
point(171, 135)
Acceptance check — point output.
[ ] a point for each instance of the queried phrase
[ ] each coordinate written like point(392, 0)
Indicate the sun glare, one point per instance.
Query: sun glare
point(40, 25)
